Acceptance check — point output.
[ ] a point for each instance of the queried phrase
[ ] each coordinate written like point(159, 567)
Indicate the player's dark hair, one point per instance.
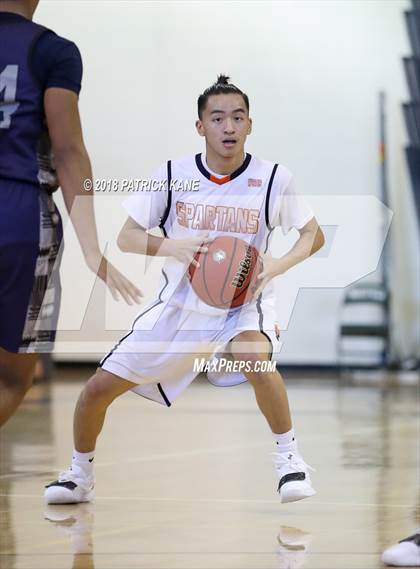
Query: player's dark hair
point(220, 87)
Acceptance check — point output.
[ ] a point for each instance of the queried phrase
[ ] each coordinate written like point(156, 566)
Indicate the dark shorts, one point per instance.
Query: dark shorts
point(30, 252)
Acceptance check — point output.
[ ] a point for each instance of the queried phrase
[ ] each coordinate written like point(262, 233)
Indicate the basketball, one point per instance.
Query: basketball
point(227, 275)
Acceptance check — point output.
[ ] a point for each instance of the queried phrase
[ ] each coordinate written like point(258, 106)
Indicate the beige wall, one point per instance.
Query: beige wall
point(312, 70)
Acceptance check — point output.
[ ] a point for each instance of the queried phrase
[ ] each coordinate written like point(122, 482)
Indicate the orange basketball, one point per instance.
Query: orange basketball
point(227, 275)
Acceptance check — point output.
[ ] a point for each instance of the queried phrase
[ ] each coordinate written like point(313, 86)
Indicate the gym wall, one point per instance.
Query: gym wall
point(312, 70)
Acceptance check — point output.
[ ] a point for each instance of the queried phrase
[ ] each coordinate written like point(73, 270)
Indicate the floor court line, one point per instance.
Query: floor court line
point(154, 457)
point(221, 501)
point(28, 474)
point(302, 438)
point(183, 454)
point(172, 553)
point(97, 534)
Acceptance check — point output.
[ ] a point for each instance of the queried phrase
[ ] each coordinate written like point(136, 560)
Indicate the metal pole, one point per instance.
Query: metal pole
point(384, 195)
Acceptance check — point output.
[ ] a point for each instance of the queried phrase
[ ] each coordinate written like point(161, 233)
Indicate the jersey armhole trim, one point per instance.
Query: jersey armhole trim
point(168, 205)
point(267, 198)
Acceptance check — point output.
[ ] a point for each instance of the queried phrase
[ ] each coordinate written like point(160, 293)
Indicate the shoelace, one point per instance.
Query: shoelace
point(66, 475)
point(70, 475)
point(296, 463)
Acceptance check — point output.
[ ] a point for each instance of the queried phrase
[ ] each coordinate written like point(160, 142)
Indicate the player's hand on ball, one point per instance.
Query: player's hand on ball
point(271, 268)
point(185, 249)
point(117, 283)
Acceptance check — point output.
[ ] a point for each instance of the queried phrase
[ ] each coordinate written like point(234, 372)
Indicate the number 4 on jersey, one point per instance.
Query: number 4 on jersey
point(8, 83)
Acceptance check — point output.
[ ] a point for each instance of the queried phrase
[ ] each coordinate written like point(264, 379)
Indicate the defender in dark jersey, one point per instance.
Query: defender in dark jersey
point(40, 79)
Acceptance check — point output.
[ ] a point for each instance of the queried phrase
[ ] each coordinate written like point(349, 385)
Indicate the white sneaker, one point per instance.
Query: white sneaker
point(294, 480)
point(406, 553)
point(71, 487)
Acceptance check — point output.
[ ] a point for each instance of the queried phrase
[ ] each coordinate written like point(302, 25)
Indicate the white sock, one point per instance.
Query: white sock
point(84, 460)
point(285, 441)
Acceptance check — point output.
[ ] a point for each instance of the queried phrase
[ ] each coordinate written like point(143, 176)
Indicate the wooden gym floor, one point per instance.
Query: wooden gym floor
point(193, 487)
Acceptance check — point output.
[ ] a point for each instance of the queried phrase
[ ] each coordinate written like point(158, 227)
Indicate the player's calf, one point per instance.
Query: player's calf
point(293, 473)
point(76, 484)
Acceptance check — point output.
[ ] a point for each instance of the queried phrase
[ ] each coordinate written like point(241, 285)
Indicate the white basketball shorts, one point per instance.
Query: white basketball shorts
point(158, 354)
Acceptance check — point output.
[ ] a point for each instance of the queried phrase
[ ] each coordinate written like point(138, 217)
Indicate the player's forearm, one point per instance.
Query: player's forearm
point(143, 243)
point(73, 168)
point(308, 243)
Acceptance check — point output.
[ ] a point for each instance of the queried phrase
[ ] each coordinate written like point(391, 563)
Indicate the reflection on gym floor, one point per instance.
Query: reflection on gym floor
point(193, 486)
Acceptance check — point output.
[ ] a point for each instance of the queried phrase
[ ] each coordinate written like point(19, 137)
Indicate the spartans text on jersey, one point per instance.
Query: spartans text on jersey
point(217, 218)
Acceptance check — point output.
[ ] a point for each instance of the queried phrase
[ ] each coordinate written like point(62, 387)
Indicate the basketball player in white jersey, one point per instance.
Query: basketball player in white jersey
point(241, 196)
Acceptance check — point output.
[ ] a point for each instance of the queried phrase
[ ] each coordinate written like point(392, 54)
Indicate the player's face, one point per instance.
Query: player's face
point(225, 124)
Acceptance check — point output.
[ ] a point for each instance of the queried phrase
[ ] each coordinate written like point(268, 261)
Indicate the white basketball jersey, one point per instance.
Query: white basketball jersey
point(190, 201)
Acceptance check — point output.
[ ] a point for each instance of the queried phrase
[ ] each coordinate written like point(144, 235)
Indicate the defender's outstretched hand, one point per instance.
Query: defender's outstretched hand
point(117, 283)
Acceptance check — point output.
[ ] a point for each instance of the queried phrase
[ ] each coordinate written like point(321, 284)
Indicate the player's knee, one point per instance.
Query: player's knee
point(248, 356)
point(16, 379)
point(255, 365)
point(251, 347)
point(258, 370)
point(260, 378)
point(17, 370)
point(97, 392)
point(16, 382)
